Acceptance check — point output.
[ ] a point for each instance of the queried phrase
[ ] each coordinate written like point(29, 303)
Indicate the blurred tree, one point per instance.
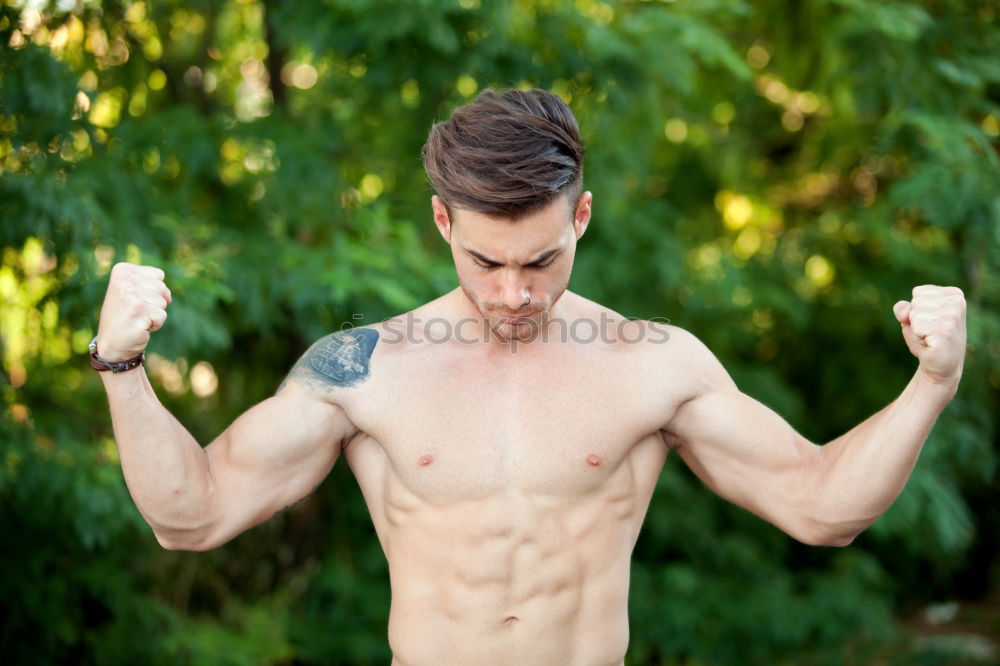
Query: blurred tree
point(771, 176)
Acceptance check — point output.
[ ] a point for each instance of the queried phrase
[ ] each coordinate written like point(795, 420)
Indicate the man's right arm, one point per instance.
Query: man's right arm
point(269, 458)
point(272, 456)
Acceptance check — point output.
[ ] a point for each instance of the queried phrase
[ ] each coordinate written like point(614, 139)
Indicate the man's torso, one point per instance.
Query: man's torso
point(508, 490)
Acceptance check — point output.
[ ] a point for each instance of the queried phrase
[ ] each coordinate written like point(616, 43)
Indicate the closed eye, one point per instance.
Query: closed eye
point(541, 267)
point(489, 266)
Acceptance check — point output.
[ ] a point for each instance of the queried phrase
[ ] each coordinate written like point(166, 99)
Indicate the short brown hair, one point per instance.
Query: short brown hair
point(508, 153)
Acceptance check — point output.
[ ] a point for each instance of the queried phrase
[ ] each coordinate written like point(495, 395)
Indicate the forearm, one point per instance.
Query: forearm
point(165, 469)
point(863, 471)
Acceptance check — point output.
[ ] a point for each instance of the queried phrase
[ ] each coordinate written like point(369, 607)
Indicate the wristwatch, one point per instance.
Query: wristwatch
point(99, 364)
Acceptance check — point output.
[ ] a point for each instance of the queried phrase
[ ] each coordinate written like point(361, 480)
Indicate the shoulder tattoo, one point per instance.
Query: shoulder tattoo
point(339, 359)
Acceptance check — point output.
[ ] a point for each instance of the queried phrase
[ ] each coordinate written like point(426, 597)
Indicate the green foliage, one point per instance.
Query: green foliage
point(72, 545)
point(772, 176)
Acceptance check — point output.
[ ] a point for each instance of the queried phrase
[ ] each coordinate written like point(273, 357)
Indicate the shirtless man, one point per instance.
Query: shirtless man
point(508, 435)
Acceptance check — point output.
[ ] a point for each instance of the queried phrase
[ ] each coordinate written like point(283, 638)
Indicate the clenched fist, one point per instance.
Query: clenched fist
point(934, 330)
point(135, 305)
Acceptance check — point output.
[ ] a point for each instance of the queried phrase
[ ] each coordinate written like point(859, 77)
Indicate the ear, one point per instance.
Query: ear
point(441, 218)
point(581, 216)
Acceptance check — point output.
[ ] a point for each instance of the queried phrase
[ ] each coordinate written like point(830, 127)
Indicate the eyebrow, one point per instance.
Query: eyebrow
point(537, 260)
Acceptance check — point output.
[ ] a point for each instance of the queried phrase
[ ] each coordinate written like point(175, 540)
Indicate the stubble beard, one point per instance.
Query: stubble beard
point(514, 332)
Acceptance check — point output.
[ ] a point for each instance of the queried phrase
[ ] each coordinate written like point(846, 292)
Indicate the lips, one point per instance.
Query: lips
point(514, 319)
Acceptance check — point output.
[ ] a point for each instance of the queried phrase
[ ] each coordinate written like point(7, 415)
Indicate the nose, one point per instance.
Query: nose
point(514, 291)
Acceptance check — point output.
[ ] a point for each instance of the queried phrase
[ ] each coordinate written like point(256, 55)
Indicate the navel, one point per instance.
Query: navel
point(425, 460)
point(594, 461)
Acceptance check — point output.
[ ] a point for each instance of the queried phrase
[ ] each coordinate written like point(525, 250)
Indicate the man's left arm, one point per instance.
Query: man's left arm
point(824, 495)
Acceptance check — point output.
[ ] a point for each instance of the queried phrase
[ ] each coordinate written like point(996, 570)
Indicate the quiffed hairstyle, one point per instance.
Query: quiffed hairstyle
point(506, 154)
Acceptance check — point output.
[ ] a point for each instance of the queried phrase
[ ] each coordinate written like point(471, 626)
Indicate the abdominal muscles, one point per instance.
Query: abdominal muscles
point(514, 576)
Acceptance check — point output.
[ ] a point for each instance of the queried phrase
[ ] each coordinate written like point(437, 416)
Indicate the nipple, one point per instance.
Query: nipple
point(594, 461)
point(425, 460)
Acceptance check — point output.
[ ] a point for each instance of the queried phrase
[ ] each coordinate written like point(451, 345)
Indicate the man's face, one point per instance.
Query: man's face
point(514, 272)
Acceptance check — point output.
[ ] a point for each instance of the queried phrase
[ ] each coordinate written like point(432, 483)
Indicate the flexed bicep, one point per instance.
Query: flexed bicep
point(271, 457)
point(743, 450)
point(749, 455)
point(279, 451)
